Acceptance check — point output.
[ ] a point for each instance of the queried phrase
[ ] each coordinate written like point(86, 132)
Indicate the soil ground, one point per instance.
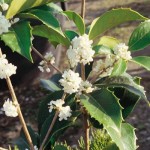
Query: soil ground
point(29, 96)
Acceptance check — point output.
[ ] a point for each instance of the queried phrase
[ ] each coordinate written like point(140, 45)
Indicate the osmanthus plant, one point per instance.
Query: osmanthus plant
point(96, 83)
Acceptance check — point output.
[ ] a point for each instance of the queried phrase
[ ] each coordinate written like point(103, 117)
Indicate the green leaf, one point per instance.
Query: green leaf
point(104, 107)
point(77, 19)
point(140, 37)
point(108, 41)
point(51, 7)
point(100, 49)
point(45, 17)
point(22, 32)
point(49, 85)
point(127, 139)
point(112, 19)
point(51, 35)
point(11, 41)
point(143, 61)
point(125, 81)
point(21, 5)
point(71, 34)
point(119, 68)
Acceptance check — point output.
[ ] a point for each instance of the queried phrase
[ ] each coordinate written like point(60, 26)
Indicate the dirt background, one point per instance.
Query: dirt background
point(29, 95)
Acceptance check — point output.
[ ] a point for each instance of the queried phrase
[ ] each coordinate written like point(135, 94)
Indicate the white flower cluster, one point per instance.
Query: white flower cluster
point(10, 109)
point(44, 65)
point(4, 6)
point(80, 51)
point(70, 82)
point(121, 50)
point(6, 69)
point(4, 24)
point(105, 67)
point(64, 111)
point(35, 148)
point(86, 87)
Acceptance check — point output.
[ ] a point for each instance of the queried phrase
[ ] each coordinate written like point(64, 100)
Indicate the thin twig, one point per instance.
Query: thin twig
point(52, 125)
point(14, 98)
point(42, 57)
point(83, 9)
point(86, 130)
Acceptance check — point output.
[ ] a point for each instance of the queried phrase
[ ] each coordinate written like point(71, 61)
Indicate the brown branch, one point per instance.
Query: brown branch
point(83, 9)
point(14, 98)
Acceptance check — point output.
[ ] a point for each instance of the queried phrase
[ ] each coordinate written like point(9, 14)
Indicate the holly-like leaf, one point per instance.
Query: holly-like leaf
point(140, 37)
point(50, 34)
point(143, 61)
point(23, 35)
point(77, 19)
point(119, 68)
point(127, 139)
point(21, 5)
point(104, 107)
point(125, 81)
point(108, 41)
point(112, 19)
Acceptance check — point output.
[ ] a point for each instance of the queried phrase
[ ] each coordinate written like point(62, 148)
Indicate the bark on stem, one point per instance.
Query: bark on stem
point(83, 9)
point(85, 114)
point(14, 98)
point(51, 126)
point(42, 57)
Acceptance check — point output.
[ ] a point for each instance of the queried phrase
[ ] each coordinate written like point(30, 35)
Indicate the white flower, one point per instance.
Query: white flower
point(64, 111)
point(4, 24)
point(58, 103)
point(80, 51)
point(6, 69)
point(4, 6)
point(86, 86)
point(10, 109)
point(105, 67)
point(44, 66)
point(35, 148)
point(121, 50)
point(70, 82)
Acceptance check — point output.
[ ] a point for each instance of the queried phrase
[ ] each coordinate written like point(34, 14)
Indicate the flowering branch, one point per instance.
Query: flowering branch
point(42, 57)
point(14, 98)
point(52, 124)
